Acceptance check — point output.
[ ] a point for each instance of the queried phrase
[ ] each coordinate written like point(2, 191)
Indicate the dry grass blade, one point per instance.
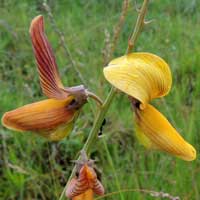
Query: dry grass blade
point(110, 44)
point(138, 27)
point(119, 25)
point(155, 194)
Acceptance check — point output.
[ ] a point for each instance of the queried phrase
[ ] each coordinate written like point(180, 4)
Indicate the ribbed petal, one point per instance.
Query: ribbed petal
point(98, 188)
point(50, 118)
point(70, 191)
point(79, 186)
point(143, 76)
point(86, 180)
point(155, 132)
point(87, 194)
point(46, 62)
point(92, 180)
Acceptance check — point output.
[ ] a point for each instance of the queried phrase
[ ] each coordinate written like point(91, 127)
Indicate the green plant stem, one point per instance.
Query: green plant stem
point(94, 131)
point(102, 112)
point(99, 119)
point(138, 27)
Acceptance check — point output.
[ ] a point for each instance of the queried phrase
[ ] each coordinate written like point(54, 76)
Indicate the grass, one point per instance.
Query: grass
point(31, 167)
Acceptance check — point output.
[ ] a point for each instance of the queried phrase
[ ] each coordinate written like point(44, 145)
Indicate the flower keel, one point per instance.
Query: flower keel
point(155, 132)
point(50, 118)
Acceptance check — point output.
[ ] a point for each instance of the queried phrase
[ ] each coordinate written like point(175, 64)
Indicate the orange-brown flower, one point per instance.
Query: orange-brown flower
point(52, 118)
point(86, 183)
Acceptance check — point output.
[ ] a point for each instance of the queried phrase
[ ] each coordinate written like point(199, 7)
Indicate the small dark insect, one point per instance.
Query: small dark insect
point(101, 128)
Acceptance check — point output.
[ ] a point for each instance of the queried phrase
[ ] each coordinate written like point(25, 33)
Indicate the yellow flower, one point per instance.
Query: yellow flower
point(145, 76)
point(52, 118)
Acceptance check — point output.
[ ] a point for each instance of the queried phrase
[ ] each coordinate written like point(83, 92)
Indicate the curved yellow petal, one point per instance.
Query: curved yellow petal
point(143, 139)
point(155, 131)
point(143, 76)
point(50, 118)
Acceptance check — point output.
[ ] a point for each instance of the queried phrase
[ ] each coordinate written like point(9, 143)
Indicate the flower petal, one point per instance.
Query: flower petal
point(143, 76)
point(50, 118)
point(47, 67)
point(161, 135)
point(87, 179)
point(81, 184)
point(98, 188)
point(87, 195)
point(90, 176)
point(70, 192)
point(143, 139)
point(81, 195)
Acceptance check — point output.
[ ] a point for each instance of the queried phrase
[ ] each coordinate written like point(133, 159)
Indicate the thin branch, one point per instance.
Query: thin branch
point(95, 97)
point(151, 192)
point(138, 27)
point(94, 131)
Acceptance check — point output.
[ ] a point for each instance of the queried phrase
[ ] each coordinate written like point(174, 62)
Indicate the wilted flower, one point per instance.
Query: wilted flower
point(86, 183)
point(52, 118)
point(145, 76)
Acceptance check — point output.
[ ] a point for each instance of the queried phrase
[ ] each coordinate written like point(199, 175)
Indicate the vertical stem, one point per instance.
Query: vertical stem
point(99, 120)
point(138, 27)
point(102, 112)
point(94, 131)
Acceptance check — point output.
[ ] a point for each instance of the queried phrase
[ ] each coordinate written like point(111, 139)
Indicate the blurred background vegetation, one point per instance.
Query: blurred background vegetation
point(31, 167)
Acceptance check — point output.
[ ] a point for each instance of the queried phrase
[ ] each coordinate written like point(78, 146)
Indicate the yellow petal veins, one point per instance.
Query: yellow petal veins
point(143, 76)
point(155, 132)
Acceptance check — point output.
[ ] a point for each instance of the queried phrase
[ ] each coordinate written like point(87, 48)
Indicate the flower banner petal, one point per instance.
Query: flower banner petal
point(160, 134)
point(47, 67)
point(50, 118)
point(143, 76)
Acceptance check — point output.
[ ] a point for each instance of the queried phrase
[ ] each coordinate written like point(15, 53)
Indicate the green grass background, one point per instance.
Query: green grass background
point(31, 167)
